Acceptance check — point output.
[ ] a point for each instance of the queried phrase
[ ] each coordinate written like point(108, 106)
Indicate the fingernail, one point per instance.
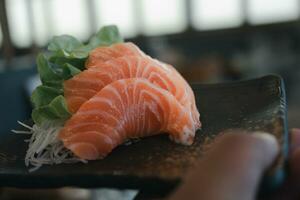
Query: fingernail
point(295, 139)
point(267, 137)
point(296, 130)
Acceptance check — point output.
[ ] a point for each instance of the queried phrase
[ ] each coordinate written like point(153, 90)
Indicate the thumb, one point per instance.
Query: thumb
point(231, 169)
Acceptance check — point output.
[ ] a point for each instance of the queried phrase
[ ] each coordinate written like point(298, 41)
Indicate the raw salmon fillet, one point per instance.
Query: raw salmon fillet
point(101, 54)
point(127, 108)
point(86, 84)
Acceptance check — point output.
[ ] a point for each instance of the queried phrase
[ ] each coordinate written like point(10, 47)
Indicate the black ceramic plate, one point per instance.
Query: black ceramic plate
point(155, 162)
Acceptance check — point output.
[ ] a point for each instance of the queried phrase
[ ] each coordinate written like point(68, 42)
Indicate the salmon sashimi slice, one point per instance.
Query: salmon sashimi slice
point(85, 85)
point(102, 54)
point(124, 109)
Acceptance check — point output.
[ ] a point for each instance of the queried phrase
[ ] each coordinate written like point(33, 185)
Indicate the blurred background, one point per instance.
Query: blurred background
point(206, 40)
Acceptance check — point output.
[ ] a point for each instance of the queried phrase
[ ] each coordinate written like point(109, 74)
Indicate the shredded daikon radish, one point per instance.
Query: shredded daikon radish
point(44, 146)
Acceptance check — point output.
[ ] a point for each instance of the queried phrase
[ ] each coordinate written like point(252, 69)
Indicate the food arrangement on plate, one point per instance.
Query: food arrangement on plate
point(98, 95)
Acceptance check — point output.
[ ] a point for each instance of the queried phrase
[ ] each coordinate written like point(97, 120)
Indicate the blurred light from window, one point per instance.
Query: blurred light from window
point(216, 14)
point(268, 11)
point(18, 22)
point(118, 12)
point(70, 17)
point(163, 16)
point(41, 28)
point(0, 36)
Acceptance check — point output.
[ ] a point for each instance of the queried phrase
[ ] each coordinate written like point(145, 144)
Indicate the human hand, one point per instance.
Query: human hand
point(233, 167)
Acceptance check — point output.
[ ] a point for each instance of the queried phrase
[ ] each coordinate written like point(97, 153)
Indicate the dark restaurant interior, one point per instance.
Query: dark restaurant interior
point(207, 41)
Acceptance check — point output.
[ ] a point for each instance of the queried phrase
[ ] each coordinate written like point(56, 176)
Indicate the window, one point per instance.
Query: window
point(18, 23)
point(216, 14)
point(70, 17)
point(41, 29)
point(163, 16)
point(38, 20)
point(268, 11)
point(0, 36)
point(118, 12)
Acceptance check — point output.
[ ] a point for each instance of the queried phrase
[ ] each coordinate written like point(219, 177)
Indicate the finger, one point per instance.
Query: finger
point(290, 188)
point(295, 153)
point(295, 139)
point(295, 164)
point(232, 169)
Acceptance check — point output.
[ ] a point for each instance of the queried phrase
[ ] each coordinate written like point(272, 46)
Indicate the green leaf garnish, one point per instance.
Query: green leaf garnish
point(69, 47)
point(56, 110)
point(68, 71)
point(47, 74)
point(60, 61)
point(67, 58)
point(106, 36)
point(63, 45)
point(59, 107)
point(43, 95)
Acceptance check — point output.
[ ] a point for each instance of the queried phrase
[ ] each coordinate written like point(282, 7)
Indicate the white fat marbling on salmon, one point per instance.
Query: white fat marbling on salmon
point(139, 117)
